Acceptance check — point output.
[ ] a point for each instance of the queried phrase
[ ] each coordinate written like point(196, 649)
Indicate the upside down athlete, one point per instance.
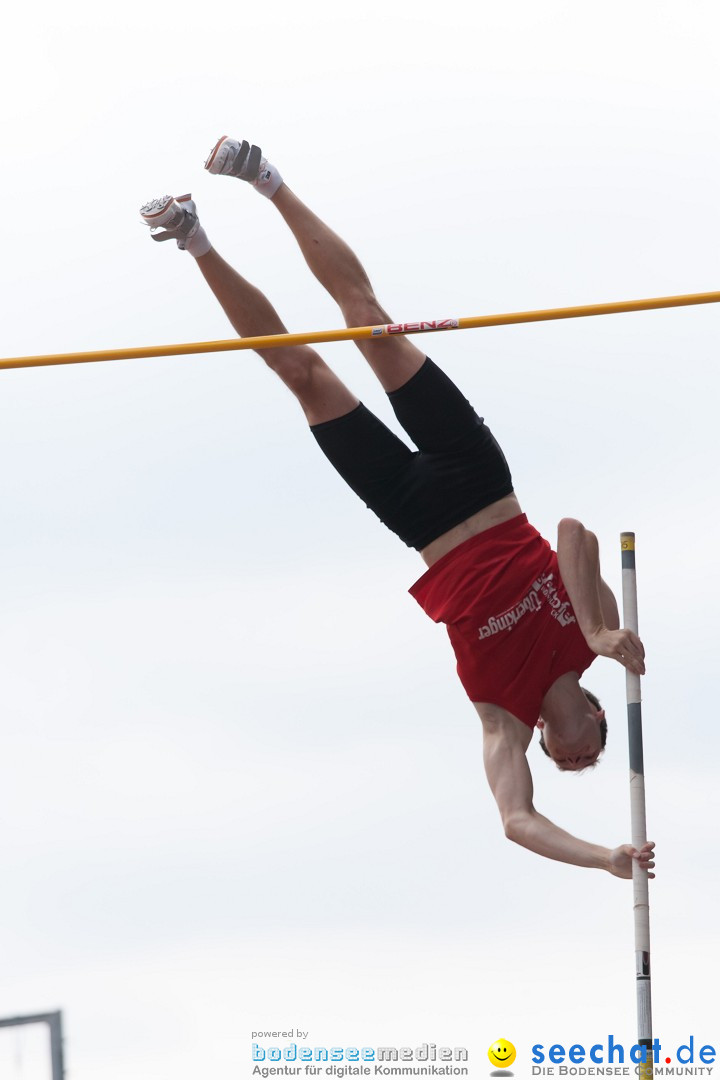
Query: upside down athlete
point(524, 622)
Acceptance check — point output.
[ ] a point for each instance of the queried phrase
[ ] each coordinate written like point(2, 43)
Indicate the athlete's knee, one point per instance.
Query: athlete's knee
point(362, 308)
point(297, 366)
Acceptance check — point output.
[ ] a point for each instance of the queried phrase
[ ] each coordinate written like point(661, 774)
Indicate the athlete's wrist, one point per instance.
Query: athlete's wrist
point(605, 859)
point(596, 638)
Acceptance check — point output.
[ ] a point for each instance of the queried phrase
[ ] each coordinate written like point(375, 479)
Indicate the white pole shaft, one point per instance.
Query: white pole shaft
point(641, 903)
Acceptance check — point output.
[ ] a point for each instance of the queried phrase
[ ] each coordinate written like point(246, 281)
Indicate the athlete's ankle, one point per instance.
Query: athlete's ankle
point(269, 181)
point(198, 245)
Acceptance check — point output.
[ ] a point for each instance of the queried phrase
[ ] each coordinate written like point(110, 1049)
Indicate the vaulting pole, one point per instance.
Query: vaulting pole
point(355, 333)
point(641, 903)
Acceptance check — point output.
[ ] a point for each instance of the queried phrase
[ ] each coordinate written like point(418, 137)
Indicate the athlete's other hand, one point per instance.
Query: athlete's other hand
point(621, 645)
point(622, 858)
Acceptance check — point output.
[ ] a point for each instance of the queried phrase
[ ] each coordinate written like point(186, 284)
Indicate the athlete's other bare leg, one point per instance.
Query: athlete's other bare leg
point(321, 394)
point(393, 359)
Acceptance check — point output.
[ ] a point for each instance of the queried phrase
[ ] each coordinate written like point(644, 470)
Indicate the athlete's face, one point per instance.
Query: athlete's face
point(573, 741)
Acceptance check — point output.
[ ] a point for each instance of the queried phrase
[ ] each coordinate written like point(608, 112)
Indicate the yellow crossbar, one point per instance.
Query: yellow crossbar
point(355, 333)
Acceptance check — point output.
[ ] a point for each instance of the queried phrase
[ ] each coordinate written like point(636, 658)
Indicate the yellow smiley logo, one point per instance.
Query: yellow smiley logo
point(502, 1053)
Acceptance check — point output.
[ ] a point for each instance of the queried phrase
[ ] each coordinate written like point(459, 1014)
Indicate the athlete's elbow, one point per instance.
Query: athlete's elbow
point(516, 825)
point(571, 528)
point(574, 537)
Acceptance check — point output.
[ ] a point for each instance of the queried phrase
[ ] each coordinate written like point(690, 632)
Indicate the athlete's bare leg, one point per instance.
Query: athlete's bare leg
point(394, 360)
point(321, 394)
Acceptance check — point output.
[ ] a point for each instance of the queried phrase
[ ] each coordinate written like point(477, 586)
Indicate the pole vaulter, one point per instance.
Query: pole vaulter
point(525, 621)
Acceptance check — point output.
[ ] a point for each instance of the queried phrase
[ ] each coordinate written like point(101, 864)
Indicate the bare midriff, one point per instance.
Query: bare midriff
point(489, 516)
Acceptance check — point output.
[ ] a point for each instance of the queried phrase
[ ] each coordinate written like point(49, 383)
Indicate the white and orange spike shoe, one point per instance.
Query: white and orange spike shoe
point(233, 157)
point(171, 218)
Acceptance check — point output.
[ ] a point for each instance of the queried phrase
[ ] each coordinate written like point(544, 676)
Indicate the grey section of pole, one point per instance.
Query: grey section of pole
point(641, 903)
point(54, 1021)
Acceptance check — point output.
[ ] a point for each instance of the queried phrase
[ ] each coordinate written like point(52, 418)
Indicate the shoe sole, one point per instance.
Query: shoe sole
point(214, 151)
point(159, 212)
point(150, 218)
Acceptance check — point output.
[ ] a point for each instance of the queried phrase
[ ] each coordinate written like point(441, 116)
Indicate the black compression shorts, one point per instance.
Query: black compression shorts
point(420, 494)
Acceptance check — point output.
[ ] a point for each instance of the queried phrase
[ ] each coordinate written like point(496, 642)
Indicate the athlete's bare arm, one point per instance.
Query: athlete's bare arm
point(505, 743)
point(592, 600)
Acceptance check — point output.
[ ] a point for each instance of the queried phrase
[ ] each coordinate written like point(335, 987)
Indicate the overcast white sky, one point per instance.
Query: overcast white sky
point(240, 785)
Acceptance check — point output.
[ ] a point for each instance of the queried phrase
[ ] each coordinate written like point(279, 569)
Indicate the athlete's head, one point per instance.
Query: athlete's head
point(573, 730)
